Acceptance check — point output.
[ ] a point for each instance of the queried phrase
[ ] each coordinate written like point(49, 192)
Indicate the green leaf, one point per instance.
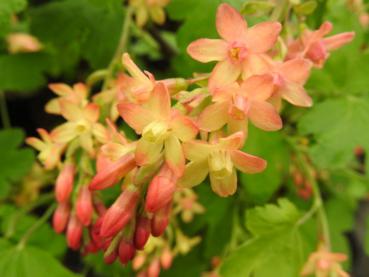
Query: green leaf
point(337, 126)
point(29, 262)
point(276, 246)
point(305, 8)
point(85, 28)
point(7, 9)
point(23, 72)
point(271, 147)
point(10, 156)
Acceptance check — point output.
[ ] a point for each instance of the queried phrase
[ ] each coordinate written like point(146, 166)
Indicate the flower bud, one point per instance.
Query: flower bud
point(166, 258)
point(84, 206)
point(112, 173)
point(61, 216)
point(64, 183)
point(160, 220)
point(120, 213)
point(161, 189)
point(142, 232)
point(154, 268)
point(110, 258)
point(74, 232)
point(126, 251)
point(138, 261)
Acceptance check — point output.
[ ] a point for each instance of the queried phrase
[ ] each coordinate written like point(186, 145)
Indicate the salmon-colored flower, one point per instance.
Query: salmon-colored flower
point(142, 231)
point(60, 217)
point(236, 104)
point(219, 159)
point(64, 183)
point(82, 125)
point(50, 150)
point(314, 46)
point(23, 43)
point(161, 189)
point(322, 263)
point(76, 95)
point(126, 250)
point(237, 45)
point(161, 127)
point(74, 232)
point(160, 220)
point(289, 78)
point(84, 206)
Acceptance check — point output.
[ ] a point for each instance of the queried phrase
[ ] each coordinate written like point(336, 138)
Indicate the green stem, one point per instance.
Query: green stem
point(36, 225)
point(46, 198)
point(4, 111)
point(122, 46)
point(318, 206)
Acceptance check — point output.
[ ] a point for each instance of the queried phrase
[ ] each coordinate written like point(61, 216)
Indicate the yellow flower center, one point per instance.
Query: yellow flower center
point(220, 163)
point(156, 131)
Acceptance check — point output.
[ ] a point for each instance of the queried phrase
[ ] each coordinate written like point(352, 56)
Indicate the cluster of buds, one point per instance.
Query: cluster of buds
point(179, 143)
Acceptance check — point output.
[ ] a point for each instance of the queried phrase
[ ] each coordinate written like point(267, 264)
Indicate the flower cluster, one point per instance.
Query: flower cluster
point(185, 130)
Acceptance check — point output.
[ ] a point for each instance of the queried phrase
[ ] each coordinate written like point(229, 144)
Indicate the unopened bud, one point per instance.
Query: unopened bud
point(160, 221)
point(126, 251)
point(61, 216)
point(64, 183)
point(74, 233)
point(84, 205)
point(166, 258)
point(142, 232)
point(154, 268)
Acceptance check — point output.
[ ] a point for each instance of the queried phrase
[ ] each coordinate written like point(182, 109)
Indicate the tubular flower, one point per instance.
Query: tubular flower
point(219, 159)
point(50, 150)
point(161, 127)
point(323, 263)
point(313, 46)
point(64, 183)
point(82, 125)
point(149, 8)
point(76, 95)
point(84, 206)
point(60, 217)
point(236, 104)
point(238, 44)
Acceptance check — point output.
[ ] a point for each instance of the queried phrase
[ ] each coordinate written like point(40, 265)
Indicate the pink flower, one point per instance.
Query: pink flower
point(64, 183)
point(237, 45)
point(161, 189)
point(160, 220)
point(120, 213)
point(313, 46)
point(60, 217)
point(74, 232)
point(126, 250)
point(219, 159)
point(236, 104)
point(161, 127)
point(23, 43)
point(142, 232)
point(84, 207)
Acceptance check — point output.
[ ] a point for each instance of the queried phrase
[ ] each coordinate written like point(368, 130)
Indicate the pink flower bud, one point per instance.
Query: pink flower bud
point(74, 232)
point(142, 232)
point(138, 261)
point(120, 213)
point(64, 183)
point(112, 173)
point(154, 268)
point(160, 220)
point(61, 216)
point(166, 258)
point(161, 189)
point(84, 206)
point(111, 258)
point(126, 251)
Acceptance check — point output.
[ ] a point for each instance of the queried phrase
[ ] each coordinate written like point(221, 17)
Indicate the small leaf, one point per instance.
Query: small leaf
point(257, 7)
point(305, 8)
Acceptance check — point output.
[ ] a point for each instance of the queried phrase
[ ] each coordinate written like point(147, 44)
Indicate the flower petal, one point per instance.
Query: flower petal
point(70, 111)
point(174, 156)
point(207, 50)
point(91, 112)
point(197, 150)
point(235, 125)
point(65, 132)
point(60, 89)
point(247, 163)
point(224, 186)
point(230, 23)
point(262, 37)
point(183, 127)
point(159, 101)
point(232, 142)
point(135, 115)
point(296, 70)
point(223, 74)
point(258, 87)
point(133, 69)
point(296, 95)
point(264, 116)
point(337, 41)
point(148, 152)
point(195, 173)
point(214, 116)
